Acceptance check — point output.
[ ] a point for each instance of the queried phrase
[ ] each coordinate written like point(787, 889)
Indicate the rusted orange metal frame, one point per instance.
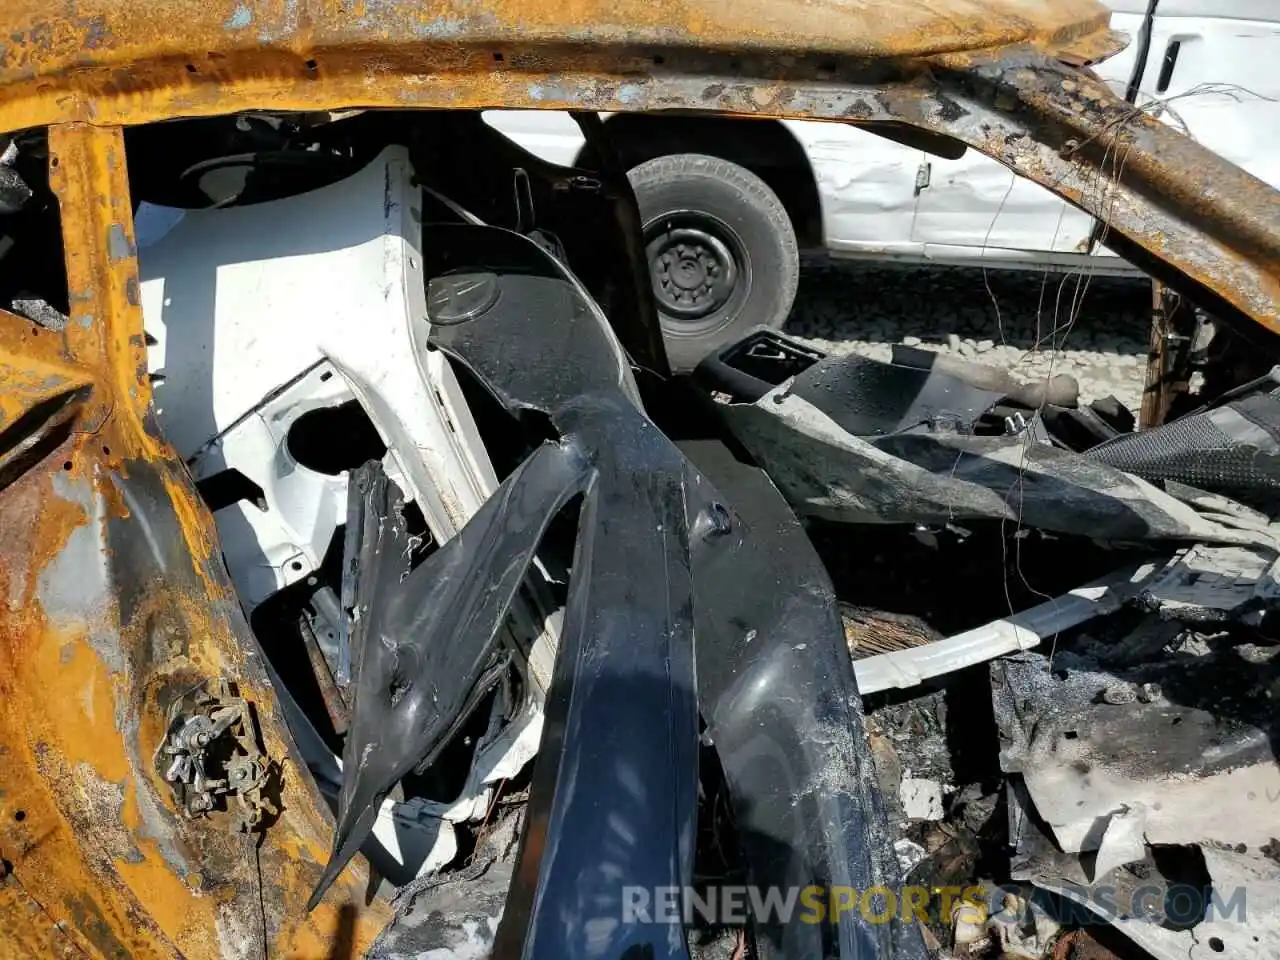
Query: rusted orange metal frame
point(117, 600)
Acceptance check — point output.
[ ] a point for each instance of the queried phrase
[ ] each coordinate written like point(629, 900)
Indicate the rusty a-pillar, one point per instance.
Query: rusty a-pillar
point(117, 601)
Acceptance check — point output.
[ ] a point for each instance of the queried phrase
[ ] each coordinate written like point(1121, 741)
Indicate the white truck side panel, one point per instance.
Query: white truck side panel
point(977, 202)
point(882, 199)
point(1218, 9)
point(866, 185)
point(548, 134)
point(1224, 88)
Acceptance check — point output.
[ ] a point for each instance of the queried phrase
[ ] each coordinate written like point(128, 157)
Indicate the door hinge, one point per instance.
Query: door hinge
point(922, 176)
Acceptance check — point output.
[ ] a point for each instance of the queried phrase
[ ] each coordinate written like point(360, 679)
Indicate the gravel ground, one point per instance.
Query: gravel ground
point(1020, 320)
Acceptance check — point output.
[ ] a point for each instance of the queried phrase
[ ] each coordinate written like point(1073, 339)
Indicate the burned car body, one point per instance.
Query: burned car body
point(573, 579)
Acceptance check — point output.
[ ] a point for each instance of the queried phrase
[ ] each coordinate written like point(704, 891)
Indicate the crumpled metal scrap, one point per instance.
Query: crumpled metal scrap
point(1142, 780)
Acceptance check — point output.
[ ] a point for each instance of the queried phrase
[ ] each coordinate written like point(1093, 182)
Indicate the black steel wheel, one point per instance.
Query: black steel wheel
point(722, 252)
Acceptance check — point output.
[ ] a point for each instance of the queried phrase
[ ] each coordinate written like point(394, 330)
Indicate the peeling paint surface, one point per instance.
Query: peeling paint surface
point(240, 18)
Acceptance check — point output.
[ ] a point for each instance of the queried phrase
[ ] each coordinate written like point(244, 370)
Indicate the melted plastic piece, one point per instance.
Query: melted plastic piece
point(1231, 448)
point(429, 639)
point(782, 708)
point(914, 459)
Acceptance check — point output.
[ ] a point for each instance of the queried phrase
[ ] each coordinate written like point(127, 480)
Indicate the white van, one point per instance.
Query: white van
point(728, 203)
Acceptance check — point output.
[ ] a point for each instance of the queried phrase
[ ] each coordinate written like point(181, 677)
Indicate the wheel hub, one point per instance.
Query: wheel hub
point(694, 272)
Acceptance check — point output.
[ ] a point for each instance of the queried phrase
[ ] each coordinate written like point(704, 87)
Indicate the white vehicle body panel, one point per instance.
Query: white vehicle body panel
point(265, 312)
point(1225, 86)
point(885, 201)
point(867, 186)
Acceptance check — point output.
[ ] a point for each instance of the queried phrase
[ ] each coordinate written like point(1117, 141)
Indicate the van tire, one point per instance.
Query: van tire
point(722, 252)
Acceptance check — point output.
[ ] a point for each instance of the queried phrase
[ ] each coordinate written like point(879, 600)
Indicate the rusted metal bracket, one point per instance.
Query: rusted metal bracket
point(1155, 394)
point(42, 397)
point(212, 752)
point(1168, 375)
